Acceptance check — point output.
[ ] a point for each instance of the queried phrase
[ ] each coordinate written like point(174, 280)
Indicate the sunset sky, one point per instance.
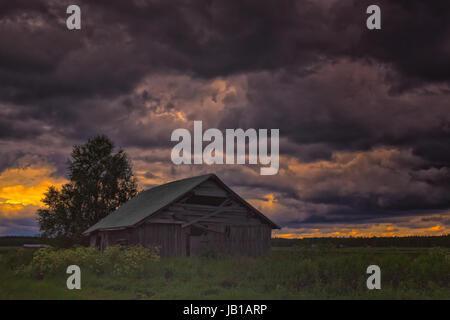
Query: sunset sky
point(364, 116)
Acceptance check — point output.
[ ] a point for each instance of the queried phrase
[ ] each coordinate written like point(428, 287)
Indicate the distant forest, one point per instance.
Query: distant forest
point(407, 242)
point(14, 241)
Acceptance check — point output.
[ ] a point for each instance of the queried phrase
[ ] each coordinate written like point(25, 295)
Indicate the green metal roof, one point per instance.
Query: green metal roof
point(147, 203)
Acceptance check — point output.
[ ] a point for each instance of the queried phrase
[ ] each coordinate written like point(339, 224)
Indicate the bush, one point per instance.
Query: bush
point(120, 261)
point(51, 261)
point(14, 259)
point(128, 261)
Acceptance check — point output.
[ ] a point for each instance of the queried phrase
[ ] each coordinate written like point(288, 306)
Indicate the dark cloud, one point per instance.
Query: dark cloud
point(338, 92)
point(413, 40)
point(121, 41)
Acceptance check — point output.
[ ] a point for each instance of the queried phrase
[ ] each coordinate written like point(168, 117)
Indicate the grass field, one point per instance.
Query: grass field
point(285, 273)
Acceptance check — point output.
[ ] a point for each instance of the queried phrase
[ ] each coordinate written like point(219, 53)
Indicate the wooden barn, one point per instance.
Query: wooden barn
point(185, 218)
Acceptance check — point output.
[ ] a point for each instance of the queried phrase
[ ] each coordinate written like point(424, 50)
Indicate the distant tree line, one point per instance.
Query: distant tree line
point(15, 241)
point(407, 242)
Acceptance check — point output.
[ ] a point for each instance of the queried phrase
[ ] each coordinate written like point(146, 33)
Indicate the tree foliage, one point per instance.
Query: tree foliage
point(101, 180)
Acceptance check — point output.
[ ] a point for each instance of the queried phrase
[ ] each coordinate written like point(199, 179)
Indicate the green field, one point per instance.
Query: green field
point(285, 273)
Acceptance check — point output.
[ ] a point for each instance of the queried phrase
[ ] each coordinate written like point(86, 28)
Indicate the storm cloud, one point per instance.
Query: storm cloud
point(363, 115)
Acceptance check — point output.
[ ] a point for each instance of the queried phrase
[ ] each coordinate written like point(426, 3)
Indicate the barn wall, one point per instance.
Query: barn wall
point(104, 239)
point(250, 240)
point(125, 236)
point(232, 240)
point(173, 240)
point(169, 237)
point(93, 239)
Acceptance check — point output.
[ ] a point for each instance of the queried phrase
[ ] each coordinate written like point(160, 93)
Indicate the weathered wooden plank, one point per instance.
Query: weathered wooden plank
point(183, 215)
point(209, 193)
point(167, 220)
point(166, 236)
point(220, 208)
point(224, 221)
point(190, 206)
point(207, 228)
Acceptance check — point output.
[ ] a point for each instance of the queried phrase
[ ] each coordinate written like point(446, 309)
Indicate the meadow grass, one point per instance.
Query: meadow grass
point(285, 273)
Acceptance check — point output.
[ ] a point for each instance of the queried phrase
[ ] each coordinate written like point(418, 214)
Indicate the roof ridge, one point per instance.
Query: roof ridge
point(175, 181)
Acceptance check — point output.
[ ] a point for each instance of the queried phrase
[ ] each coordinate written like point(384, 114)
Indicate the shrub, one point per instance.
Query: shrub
point(130, 260)
point(51, 261)
point(120, 261)
point(14, 259)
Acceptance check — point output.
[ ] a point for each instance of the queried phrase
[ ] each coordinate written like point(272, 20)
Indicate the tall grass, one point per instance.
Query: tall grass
point(285, 273)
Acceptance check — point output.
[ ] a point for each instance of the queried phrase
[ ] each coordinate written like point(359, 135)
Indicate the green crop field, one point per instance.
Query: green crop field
point(322, 272)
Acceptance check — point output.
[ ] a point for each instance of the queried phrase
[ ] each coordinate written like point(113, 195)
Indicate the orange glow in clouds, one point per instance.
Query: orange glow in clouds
point(374, 230)
point(22, 189)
